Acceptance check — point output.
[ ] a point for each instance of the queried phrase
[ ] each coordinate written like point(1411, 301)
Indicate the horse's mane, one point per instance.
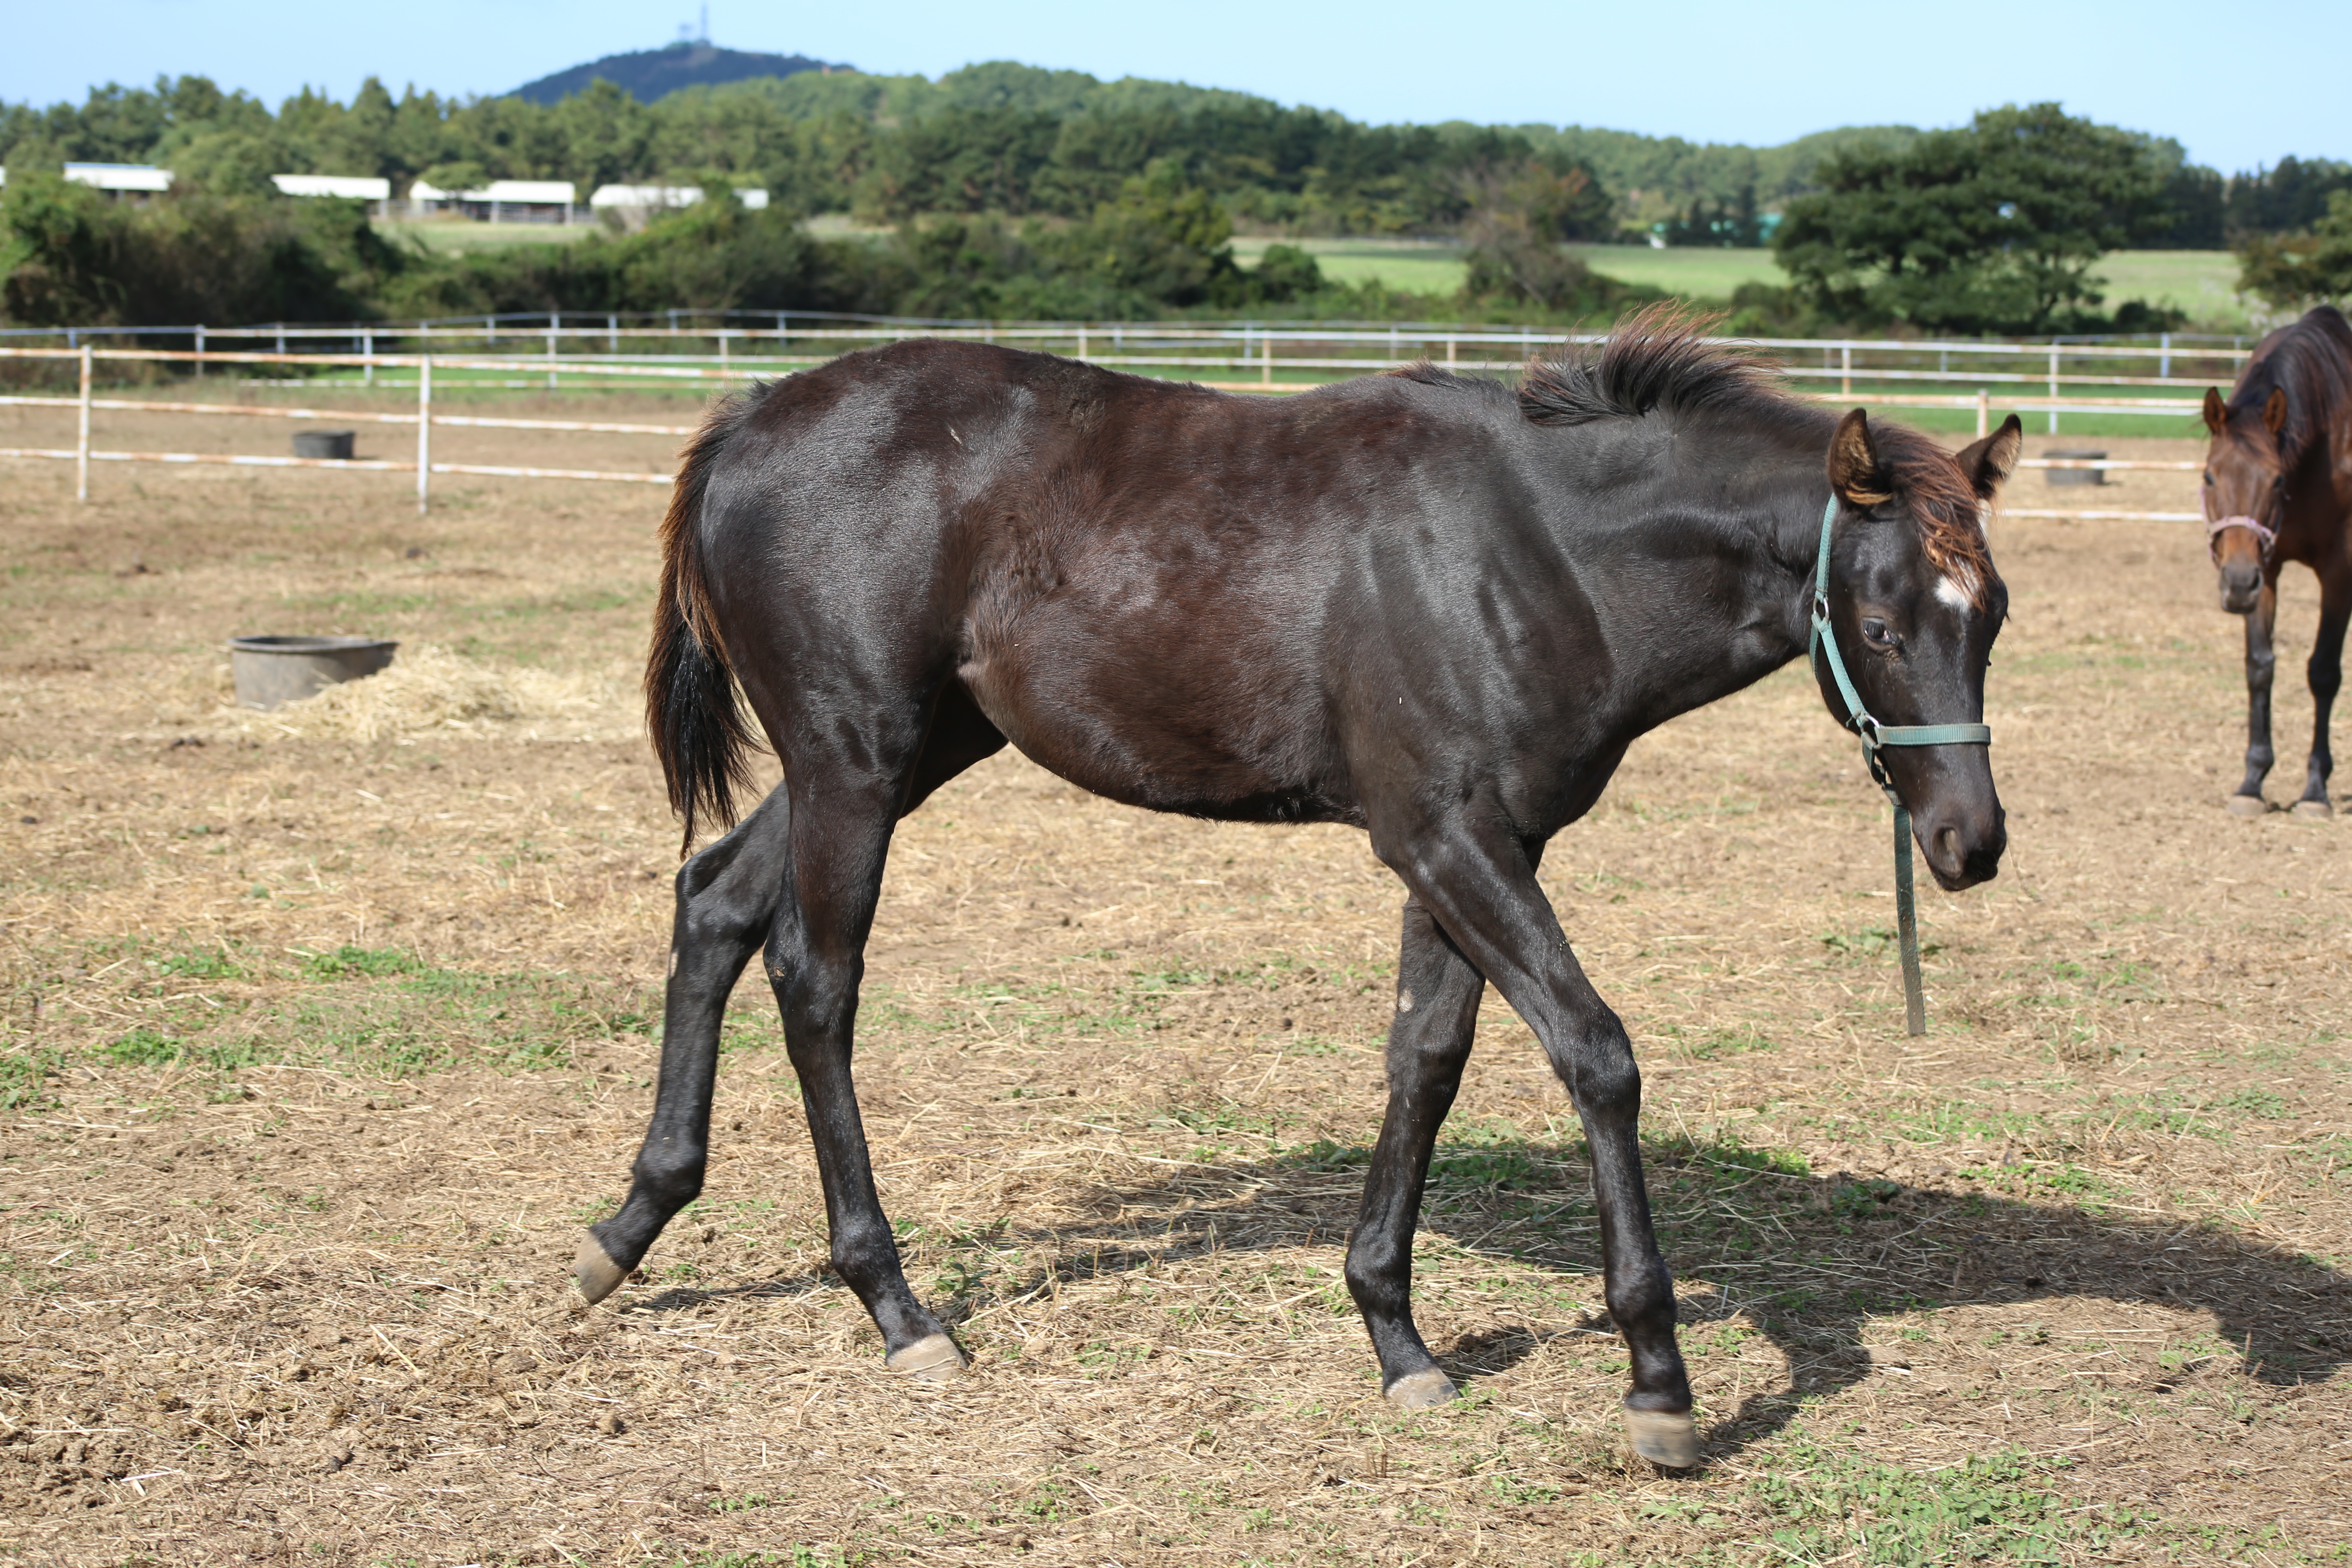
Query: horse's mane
point(2309, 360)
point(1663, 358)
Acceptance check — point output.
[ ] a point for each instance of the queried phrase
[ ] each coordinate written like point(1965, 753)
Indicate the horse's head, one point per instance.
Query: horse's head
point(2245, 493)
point(1914, 604)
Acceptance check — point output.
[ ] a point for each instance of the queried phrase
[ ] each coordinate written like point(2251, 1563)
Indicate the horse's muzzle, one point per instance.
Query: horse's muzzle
point(2241, 587)
point(1963, 848)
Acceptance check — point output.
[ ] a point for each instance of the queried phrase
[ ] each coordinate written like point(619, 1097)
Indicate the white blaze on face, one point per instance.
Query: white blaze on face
point(1949, 590)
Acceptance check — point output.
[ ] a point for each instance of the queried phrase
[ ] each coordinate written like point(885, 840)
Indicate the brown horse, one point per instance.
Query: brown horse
point(1434, 608)
point(2278, 487)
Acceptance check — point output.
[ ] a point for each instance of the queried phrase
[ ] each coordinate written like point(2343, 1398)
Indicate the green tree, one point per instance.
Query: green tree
point(1520, 219)
point(1993, 228)
point(2300, 270)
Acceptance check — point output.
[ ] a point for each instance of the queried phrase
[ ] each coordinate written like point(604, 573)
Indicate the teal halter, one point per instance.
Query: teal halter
point(1875, 736)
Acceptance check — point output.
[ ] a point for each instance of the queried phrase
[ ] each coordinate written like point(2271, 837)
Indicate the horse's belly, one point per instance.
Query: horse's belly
point(1153, 738)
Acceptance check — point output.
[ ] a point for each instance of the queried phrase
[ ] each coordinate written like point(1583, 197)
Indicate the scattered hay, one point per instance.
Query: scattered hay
point(427, 690)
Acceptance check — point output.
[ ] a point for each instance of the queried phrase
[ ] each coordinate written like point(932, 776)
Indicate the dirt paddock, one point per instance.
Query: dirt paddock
point(326, 1030)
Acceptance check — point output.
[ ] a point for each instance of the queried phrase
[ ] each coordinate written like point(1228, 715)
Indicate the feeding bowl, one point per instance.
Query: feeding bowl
point(335, 445)
point(273, 671)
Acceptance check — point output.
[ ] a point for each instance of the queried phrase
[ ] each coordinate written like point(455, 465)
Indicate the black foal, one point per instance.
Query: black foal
point(1432, 608)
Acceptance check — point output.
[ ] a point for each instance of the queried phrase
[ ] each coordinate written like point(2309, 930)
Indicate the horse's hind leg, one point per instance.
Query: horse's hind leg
point(2326, 672)
point(842, 818)
point(727, 899)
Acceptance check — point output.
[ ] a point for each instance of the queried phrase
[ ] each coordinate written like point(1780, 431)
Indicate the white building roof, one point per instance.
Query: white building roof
point(120, 176)
point(751, 197)
point(353, 186)
point(557, 192)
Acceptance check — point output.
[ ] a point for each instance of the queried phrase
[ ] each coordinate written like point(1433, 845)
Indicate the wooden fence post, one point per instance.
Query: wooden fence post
point(200, 348)
point(1984, 414)
point(2054, 389)
point(1845, 367)
point(82, 442)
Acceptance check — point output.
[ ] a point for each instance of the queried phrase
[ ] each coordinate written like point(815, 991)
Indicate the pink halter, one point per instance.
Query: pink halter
point(2266, 537)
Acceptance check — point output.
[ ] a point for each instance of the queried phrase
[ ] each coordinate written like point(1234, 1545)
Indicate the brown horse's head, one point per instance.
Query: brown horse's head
point(2245, 492)
point(1916, 604)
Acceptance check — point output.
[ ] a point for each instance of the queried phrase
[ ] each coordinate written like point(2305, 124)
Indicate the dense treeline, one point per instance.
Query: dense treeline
point(1160, 247)
point(1017, 141)
point(1010, 191)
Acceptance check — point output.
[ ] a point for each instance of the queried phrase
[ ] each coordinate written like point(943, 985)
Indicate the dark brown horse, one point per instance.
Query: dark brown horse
point(2278, 487)
point(1436, 608)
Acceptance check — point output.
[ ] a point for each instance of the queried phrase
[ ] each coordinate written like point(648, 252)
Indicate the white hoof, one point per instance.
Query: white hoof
point(598, 1275)
point(1664, 1439)
point(2313, 808)
point(934, 1359)
point(1422, 1390)
point(2248, 806)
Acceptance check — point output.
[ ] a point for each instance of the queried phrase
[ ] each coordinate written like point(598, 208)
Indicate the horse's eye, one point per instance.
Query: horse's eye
point(1875, 632)
point(2209, 475)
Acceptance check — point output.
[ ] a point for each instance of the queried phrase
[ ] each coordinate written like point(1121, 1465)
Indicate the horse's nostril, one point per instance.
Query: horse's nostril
point(1947, 846)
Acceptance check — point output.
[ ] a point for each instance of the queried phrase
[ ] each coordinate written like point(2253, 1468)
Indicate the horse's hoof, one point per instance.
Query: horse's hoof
point(598, 1275)
point(1423, 1390)
point(2248, 806)
point(934, 1358)
point(1663, 1438)
point(2313, 808)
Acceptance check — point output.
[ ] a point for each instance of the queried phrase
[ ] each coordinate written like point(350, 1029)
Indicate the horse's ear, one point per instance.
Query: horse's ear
point(2274, 410)
point(2217, 413)
point(1989, 462)
point(1854, 473)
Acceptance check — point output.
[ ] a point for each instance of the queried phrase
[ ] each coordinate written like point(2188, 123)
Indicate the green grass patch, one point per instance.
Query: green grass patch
point(1995, 1508)
point(346, 963)
point(25, 1072)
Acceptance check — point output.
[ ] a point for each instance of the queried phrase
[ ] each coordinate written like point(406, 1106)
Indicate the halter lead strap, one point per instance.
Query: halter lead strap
point(1875, 736)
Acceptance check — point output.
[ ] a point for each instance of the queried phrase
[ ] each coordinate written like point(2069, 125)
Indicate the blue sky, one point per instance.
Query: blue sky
point(2236, 85)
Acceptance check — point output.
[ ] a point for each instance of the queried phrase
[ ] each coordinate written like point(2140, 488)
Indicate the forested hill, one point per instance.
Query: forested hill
point(998, 136)
point(648, 74)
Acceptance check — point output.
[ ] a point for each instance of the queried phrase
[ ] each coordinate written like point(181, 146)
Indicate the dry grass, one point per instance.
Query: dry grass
point(323, 1038)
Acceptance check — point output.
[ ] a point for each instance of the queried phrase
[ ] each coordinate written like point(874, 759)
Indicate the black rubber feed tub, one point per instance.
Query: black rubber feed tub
point(334, 444)
point(2074, 475)
point(273, 671)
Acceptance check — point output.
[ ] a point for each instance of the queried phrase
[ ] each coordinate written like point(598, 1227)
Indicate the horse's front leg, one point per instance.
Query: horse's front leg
point(2326, 672)
point(2260, 661)
point(1429, 1040)
point(1478, 883)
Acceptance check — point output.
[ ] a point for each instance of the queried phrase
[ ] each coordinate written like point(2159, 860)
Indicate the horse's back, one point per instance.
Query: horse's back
point(1132, 578)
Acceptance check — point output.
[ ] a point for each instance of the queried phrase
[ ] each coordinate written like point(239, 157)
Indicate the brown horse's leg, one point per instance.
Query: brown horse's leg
point(1429, 1041)
point(2326, 672)
point(842, 818)
point(1478, 884)
point(2260, 663)
point(726, 897)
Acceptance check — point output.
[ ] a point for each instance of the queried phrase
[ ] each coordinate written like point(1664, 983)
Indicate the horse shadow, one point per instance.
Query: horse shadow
point(1808, 1260)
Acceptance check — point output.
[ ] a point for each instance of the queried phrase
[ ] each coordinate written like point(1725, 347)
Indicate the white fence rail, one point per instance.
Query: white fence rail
point(1257, 353)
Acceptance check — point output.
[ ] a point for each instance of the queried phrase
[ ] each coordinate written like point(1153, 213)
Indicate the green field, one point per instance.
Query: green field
point(456, 237)
point(2201, 282)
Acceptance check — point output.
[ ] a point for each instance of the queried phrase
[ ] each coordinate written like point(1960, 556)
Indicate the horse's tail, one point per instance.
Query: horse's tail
point(692, 712)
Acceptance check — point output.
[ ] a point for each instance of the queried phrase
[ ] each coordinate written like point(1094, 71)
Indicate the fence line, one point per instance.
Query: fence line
point(425, 419)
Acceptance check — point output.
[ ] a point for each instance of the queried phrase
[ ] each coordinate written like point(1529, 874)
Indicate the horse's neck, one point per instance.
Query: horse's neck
point(1770, 528)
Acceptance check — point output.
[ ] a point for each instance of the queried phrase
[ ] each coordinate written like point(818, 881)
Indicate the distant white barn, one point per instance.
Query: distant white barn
point(350, 187)
point(639, 201)
point(145, 178)
point(500, 201)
